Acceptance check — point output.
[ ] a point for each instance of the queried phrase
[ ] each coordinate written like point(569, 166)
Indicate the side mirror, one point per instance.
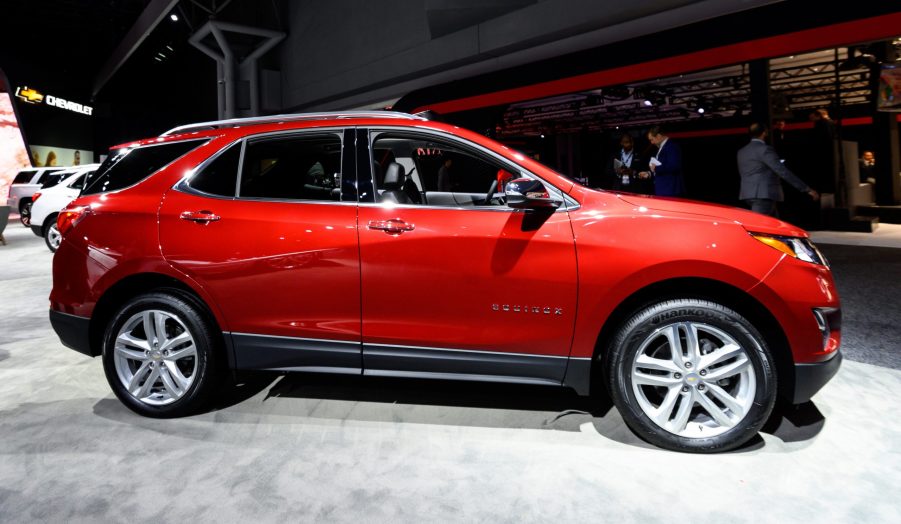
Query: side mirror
point(526, 193)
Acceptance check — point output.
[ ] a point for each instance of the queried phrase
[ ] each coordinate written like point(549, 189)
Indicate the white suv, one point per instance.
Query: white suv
point(48, 202)
point(23, 186)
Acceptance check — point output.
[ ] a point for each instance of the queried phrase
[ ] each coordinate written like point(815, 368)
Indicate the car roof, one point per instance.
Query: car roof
point(290, 121)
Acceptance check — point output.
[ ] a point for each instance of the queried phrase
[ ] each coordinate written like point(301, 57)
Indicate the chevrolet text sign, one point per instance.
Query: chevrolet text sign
point(33, 96)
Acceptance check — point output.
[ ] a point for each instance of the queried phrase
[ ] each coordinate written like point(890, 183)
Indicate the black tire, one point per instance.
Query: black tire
point(207, 342)
point(49, 228)
point(25, 214)
point(624, 351)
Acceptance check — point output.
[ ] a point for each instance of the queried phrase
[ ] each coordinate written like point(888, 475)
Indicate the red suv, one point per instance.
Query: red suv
point(386, 244)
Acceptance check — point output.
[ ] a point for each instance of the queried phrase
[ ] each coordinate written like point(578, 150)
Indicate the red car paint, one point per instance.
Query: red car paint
point(465, 279)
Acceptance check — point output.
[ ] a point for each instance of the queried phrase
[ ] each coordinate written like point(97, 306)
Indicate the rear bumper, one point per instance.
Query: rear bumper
point(73, 331)
point(810, 378)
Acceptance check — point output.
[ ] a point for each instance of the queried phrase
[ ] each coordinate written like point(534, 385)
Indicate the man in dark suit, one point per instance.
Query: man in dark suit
point(625, 165)
point(760, 170)
point(666, 167)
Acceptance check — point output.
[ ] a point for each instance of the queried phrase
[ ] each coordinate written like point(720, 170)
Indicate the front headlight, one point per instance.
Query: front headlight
point(800, 248)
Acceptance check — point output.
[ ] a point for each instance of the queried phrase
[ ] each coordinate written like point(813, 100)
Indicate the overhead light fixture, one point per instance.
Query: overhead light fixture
point(701, 110)
point(648, 103)
point(173, 17)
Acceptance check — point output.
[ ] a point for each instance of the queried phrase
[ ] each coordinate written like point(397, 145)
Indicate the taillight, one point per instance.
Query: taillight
point(35, 197)
point(70, 217)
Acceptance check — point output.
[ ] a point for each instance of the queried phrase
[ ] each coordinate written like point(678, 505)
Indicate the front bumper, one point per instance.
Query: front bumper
point(810, 378)
point(37, 230)
point(73, 331)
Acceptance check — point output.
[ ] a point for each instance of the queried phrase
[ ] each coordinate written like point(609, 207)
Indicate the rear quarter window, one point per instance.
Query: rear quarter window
point(127, 167)
point(24, 177)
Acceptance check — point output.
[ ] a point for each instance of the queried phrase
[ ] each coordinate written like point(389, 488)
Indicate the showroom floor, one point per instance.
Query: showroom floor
point(353, 450)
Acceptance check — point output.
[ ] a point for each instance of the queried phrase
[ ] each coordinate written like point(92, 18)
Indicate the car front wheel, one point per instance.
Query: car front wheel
point(160, 355)
point(692, 375)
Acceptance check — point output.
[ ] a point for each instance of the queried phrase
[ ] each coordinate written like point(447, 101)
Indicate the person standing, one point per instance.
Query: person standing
point(624, 167)
point(868, 167)
point(760, 170)
point(666, 167)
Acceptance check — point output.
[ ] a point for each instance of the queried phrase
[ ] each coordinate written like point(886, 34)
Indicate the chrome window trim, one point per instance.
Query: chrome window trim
point(569, 203)
point(183, 186)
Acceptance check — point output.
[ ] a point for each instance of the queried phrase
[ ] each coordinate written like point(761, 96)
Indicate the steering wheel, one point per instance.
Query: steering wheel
point(491, 191)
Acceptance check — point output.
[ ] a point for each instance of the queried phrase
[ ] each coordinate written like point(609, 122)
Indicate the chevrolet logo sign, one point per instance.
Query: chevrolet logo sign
point(29, 95)
point(33, 96)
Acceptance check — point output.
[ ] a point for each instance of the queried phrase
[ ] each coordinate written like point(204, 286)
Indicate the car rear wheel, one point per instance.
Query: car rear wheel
point(51, 235)
point(692, 375)
point(25, 214)
point(160, 355)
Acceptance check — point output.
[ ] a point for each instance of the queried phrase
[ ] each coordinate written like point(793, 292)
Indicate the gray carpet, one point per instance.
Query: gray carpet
point(869, 284)
point(345, 449)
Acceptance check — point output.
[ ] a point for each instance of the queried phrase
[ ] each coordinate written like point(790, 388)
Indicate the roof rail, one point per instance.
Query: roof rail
point(215, 124)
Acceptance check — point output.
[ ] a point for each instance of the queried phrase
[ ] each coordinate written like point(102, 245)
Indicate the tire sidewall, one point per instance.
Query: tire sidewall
point(200, 330)
point(25, 214)
point(50, 225)
point(641, 325)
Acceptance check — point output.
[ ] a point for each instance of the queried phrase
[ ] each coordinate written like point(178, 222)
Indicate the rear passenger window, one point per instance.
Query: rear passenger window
point(52, 179)
point(45, 175)
point(302, 167)
point(129, 166)
point(220, 176)
point(24, 177)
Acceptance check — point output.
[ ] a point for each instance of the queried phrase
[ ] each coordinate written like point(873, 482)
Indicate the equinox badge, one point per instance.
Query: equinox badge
point(527, 309)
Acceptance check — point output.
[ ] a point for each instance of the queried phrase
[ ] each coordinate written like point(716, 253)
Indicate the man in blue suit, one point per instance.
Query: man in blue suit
point(666, 167)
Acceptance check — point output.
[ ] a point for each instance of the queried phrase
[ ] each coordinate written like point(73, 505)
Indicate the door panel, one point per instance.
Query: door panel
point(274, 268)
point(482, 280)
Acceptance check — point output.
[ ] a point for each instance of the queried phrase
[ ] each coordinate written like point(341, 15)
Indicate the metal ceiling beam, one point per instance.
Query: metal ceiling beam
point(155, 11)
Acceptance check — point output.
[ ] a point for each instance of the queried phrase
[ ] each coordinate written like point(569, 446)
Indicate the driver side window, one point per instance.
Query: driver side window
point(413, 169)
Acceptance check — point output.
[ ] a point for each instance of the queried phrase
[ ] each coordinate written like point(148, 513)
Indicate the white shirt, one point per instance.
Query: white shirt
point(626, 158)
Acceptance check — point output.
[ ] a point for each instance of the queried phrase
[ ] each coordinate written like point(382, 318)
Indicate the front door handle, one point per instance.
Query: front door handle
point(203, 217)
point(393, 226)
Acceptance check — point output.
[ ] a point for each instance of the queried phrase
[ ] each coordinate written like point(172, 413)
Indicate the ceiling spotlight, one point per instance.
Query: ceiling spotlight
point(542, 135)
point(648, 103)
point(173, 17)
point(701, 110)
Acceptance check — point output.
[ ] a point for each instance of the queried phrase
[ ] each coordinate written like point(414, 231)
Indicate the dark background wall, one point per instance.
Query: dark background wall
point(345, 53)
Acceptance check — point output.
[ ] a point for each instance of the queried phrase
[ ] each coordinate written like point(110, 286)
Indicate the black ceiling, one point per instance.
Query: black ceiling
point(41, 41)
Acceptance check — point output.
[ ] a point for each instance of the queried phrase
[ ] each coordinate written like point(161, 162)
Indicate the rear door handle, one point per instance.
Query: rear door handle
point(203, 217)
point(393, 226)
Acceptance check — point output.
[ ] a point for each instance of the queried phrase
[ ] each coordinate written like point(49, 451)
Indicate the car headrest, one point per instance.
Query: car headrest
point(394, 176)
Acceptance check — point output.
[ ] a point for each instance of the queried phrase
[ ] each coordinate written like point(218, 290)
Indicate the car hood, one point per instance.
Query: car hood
point(747, 219)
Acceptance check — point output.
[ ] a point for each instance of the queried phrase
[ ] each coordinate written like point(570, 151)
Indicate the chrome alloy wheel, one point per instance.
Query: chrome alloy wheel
point(53, 237)
point(155, 357)
point(693, 379)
